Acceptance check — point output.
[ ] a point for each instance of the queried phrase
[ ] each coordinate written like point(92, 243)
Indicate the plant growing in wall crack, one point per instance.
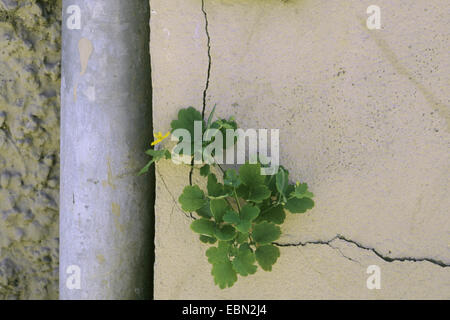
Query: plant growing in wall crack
point(238, 214)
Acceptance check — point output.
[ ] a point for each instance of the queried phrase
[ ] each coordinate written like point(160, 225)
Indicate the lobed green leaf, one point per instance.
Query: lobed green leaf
point(225, 232)
point(207, 239)
point(295, 205)
point(274, 214)
point(231, 178)
point(205, 211)
point(204, 171)
point(244, 262)
point(204, 226)
point(242, 222)
point(222, 270)
point(250, 174)
point(224, 274)
point(265, 232)
point(192, 198)
point(267, 256)
point(218, 209)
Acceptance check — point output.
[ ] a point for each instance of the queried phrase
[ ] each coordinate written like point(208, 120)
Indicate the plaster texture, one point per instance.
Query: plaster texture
point(29, 148)
point(363, 118)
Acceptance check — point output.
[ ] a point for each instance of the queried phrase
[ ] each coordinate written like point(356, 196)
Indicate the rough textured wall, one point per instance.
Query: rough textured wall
point(29, 148)
point(364, 119)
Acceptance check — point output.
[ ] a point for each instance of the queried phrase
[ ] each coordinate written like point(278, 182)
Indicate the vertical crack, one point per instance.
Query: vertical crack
point(208, 74)
point(208, 38)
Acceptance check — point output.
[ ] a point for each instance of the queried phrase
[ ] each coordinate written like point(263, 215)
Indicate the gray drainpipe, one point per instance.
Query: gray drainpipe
point(106, 238)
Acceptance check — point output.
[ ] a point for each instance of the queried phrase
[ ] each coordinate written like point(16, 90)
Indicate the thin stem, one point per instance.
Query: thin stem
point(221, 169)
point(269, 208)
point(237, 200)
point(228, 201)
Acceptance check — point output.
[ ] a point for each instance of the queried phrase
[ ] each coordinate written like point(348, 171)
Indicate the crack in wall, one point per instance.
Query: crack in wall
point(170, 193)
point(208, 75)
point(318, 242)
point(360, 246)
point(343, 255)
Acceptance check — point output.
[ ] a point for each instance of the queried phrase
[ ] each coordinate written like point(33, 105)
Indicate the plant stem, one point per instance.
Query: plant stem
point(228, 201)
point(269, 208)
point(221, 169)
point(237, 200)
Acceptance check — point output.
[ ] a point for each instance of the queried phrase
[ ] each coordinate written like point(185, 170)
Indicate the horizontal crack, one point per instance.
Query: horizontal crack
point(373, 250)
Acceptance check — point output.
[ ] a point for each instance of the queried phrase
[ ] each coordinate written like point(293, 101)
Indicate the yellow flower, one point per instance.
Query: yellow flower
point(159, 137)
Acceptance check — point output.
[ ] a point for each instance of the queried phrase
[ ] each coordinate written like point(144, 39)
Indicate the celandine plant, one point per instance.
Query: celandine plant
point(239, 216)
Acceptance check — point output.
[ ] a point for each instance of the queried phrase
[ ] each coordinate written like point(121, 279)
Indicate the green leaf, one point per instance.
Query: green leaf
point(258, 193)
point(271, 183)
point(267, 256)
point(265, 232)
point(156, 156)
point(186, 118)
point(248, 214)
point(241, 237)
point(222, 125)
point(253, 187)
point(207, 240)
point(204, 226)
point(243, 191)
point(225, 232)
point(222, 270)
point(232, 217)
point(243, 222)
point(282, 180)
point(233, 251)
point(204, 171)
point(220, 253)
point(296, 205)
point(145, 169)
point(301, 188)
point(244, 263)
point(301, 191)
point(250, 174)
point(224, 274)
point(290, 188)
point(208, 124)
point(231, 178)
point(192, 198)
point(205, 211)
point(215, 189)
point(275, 215)
point(218, 208)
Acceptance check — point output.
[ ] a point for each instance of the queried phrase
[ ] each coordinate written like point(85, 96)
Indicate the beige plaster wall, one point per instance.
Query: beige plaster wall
point(363, 118)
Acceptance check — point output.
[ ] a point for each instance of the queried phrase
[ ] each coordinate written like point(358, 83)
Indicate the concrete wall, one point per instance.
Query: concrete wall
point(29, 148)
point(364, 119)
point(363, 116)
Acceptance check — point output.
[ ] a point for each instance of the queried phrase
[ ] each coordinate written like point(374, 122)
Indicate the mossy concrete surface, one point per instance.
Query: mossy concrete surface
point(363, 118)
point(29, 148)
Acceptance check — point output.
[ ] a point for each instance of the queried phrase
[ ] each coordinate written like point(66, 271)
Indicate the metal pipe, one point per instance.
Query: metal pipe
point(106, 210)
